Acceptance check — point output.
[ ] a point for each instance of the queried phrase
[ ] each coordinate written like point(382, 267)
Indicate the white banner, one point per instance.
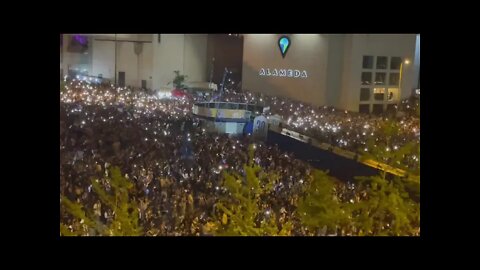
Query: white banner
point(260, 127)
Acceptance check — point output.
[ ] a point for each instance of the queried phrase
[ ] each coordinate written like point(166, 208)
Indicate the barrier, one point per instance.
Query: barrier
point(348, 154)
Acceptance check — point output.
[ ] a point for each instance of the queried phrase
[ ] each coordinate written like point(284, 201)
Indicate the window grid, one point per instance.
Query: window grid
point(388, 84)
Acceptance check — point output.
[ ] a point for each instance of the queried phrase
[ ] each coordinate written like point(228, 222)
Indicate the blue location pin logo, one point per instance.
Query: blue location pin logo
point(284, 44)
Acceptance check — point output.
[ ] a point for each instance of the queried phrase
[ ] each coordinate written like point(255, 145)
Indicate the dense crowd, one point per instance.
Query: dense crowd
point(347, 130)
point(175, 164)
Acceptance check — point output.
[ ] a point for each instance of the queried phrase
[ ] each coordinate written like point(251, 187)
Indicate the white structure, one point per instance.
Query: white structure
point(140, 60)
point(356, 72)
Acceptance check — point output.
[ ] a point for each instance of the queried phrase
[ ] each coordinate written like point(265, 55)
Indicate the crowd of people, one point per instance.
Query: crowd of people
point(348, 130)
point(175, 164)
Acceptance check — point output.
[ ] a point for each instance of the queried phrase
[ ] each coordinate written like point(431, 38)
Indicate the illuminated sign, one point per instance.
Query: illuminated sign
point(284, 44)
point(291, 73)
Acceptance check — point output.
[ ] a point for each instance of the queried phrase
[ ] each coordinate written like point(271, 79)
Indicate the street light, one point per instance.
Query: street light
point(401, 71)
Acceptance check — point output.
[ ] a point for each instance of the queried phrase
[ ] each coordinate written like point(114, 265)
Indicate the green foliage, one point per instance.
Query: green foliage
point(320, 208)
point(381, 149)
point(66, 232)
point(387, 208)
point(241, 212)
point(178, 81)
point(125, 212)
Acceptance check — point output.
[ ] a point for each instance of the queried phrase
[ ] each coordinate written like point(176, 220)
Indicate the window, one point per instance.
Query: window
point(395, 63)
point(382, 62)
point(380, 78)
point(379, 93)
point(394, 79)
point(367, 61)
point(364, 108)
point(364, 94)
point(393, 94)
point(377, 108)
point(391, 108)
point(366, 78)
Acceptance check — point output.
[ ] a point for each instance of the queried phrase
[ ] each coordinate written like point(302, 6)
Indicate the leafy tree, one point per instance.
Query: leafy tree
point(178, 81)
point(384, 150)
point(125, 211)
point(241, 212)
point(320, 208)
point(387, 208)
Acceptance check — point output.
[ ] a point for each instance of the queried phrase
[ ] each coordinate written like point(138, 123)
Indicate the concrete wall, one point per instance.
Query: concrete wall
point(146, 65)
point(103, 61)
point(346, 74)
point(136, 68)
point(335, 69)
point(306, 52)
point(184, 52)
point(167, 57)
point(196, 57)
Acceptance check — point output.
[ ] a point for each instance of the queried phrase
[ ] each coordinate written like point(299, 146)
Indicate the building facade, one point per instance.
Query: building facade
point(139, 60)
point(355, 72)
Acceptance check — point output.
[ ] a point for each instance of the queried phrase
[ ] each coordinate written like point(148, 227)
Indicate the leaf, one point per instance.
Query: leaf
point(224, 219)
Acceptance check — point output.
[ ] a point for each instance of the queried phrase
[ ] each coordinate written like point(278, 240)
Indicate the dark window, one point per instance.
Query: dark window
point(367, 61)
point(395, 63)
point(380, 78)
point(382, 62)
point(366, 78)
point(377, 108)
point(364, 108)
point(364, 94)
point(394, 79)
point(391, 108)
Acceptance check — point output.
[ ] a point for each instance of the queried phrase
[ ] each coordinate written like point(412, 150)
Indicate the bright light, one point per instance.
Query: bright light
point(407, 61)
